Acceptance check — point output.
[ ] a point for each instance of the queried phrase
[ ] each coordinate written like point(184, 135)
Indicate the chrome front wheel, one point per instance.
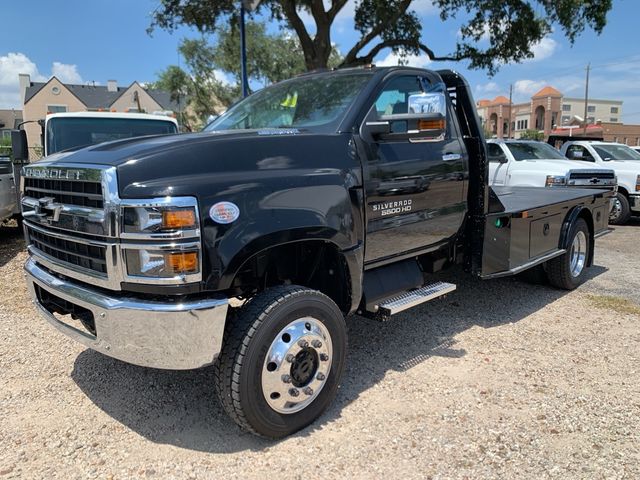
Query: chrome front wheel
point(297, 365)
point(281, 361)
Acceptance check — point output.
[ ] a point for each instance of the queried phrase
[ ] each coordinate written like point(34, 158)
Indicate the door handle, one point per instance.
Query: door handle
point(449, 157)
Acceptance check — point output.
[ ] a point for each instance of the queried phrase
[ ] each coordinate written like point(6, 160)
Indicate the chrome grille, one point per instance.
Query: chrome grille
point(72, 217)
point(74, 253)
point(588, 175)
point(68, 192)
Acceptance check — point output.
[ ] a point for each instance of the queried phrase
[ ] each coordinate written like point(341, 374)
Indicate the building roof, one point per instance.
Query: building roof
point(547, 92)
point(483, 102)
point(9, 119)
point(500, 99)
point(98, 96)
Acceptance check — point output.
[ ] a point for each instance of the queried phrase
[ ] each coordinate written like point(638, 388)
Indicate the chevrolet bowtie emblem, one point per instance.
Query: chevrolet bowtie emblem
point(46, 205)
point(594, 181)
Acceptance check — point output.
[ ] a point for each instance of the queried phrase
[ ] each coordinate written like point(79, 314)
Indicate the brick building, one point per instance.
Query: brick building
point(547, 110)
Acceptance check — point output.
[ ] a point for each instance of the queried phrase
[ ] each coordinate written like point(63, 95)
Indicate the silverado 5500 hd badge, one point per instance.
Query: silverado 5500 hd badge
point(392, 208)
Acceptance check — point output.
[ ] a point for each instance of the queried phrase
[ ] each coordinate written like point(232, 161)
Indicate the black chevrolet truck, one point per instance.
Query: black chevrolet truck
point(245, 246)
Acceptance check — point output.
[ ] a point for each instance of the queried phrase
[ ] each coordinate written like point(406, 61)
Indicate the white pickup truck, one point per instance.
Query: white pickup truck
point(624, 160)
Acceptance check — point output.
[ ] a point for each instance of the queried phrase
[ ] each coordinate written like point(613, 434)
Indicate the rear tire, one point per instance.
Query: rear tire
point(281, 361)
point(569, 269)
point(621, 211)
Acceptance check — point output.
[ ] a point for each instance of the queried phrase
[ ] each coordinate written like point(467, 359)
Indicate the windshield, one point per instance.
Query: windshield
point(534, 151)
point(64, 133)
point(304, 102)
point(616, 152)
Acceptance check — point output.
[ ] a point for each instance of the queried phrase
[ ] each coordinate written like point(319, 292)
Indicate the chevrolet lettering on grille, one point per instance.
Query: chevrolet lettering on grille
point(53, 173)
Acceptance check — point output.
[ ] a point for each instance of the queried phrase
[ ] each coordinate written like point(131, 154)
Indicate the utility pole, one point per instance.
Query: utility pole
point(243, 54)
point(510, 110)
point(586, 99)
point(245, 6)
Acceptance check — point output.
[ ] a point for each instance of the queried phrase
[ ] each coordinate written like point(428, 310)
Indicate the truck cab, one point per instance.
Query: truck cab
point(73, 130)
point(245, 246)
point(624, 160)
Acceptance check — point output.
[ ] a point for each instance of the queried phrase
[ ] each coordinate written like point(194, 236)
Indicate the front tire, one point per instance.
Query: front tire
point(621, 211)
point(282, 360)
point(569, 269)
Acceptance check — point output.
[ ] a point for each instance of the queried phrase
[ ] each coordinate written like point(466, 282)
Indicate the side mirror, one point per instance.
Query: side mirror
point(377, 128)
point(19, 146)
point(503, 158)
point(414, 127)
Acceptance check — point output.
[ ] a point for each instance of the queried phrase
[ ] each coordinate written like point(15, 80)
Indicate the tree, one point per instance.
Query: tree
point(513, 27)
point(532, 135)
point(178, 83)
point(270, 57)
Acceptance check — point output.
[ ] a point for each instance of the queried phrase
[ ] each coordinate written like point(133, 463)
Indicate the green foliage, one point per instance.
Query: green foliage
point(270, 58)
point(532, 135)
point(510, 27)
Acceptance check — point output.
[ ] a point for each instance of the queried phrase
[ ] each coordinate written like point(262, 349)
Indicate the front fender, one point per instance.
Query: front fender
point(268, 218)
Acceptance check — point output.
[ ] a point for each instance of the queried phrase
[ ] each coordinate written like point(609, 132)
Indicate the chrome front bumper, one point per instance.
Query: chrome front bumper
point(634, 201)
point(177, 336)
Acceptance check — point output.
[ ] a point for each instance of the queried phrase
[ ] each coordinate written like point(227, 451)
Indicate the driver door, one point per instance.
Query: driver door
point(415, 183)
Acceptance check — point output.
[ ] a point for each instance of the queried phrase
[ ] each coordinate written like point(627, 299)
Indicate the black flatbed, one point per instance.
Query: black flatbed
point(518, 199)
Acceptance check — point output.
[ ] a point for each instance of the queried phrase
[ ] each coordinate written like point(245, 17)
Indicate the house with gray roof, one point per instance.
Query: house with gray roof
point(53, 96)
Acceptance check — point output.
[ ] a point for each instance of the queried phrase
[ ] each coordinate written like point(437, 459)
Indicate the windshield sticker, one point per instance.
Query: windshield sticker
point(278, 131)
point(224, 212)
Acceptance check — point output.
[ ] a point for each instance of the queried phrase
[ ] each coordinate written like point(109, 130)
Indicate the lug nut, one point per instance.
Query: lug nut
point(286, 378)
point(303, 344)
point(308, 391)
point(320, 376)
point(316, 344)
point(324, 357)
point(294, 392)
point(290, 358)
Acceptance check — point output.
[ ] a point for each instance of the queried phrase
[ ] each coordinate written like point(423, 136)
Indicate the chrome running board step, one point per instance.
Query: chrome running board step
point(406, 300)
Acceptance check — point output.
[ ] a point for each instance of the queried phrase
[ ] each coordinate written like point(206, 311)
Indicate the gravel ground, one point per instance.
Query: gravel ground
point(501, 379)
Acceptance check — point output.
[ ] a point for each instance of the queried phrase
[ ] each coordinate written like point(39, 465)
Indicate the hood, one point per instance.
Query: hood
point(561, 167)
point(623, 166)
point(189, 163)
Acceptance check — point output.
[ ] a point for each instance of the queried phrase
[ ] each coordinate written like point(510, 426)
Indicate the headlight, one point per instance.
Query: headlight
point(161, 264)
point(555, 180)
point(159, 219)
point(638, 183)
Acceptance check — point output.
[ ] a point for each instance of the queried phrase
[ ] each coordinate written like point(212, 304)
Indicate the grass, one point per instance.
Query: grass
point(617, 304)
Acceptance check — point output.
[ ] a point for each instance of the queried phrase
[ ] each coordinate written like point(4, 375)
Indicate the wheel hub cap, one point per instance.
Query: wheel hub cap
point(578, 254)
point(615, 211)
point(297, 365)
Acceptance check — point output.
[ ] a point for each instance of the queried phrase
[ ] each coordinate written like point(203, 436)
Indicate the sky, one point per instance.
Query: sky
point(82, 41)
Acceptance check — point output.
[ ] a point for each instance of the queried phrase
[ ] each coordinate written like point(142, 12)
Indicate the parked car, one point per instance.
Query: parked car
point(9, 204)
point(637, 148)
point(624, 160)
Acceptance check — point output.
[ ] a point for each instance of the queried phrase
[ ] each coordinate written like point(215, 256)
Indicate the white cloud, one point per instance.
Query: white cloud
point(15, 63)
point(394, 59)
point(66, 73)
point(544, 48)
point(490, 87)
point(11, 65)
point(527, 88)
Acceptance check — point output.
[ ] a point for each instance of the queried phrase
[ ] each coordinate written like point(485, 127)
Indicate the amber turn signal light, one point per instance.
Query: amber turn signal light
point(178, 219)
point(183, 262)
point(430, 125)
